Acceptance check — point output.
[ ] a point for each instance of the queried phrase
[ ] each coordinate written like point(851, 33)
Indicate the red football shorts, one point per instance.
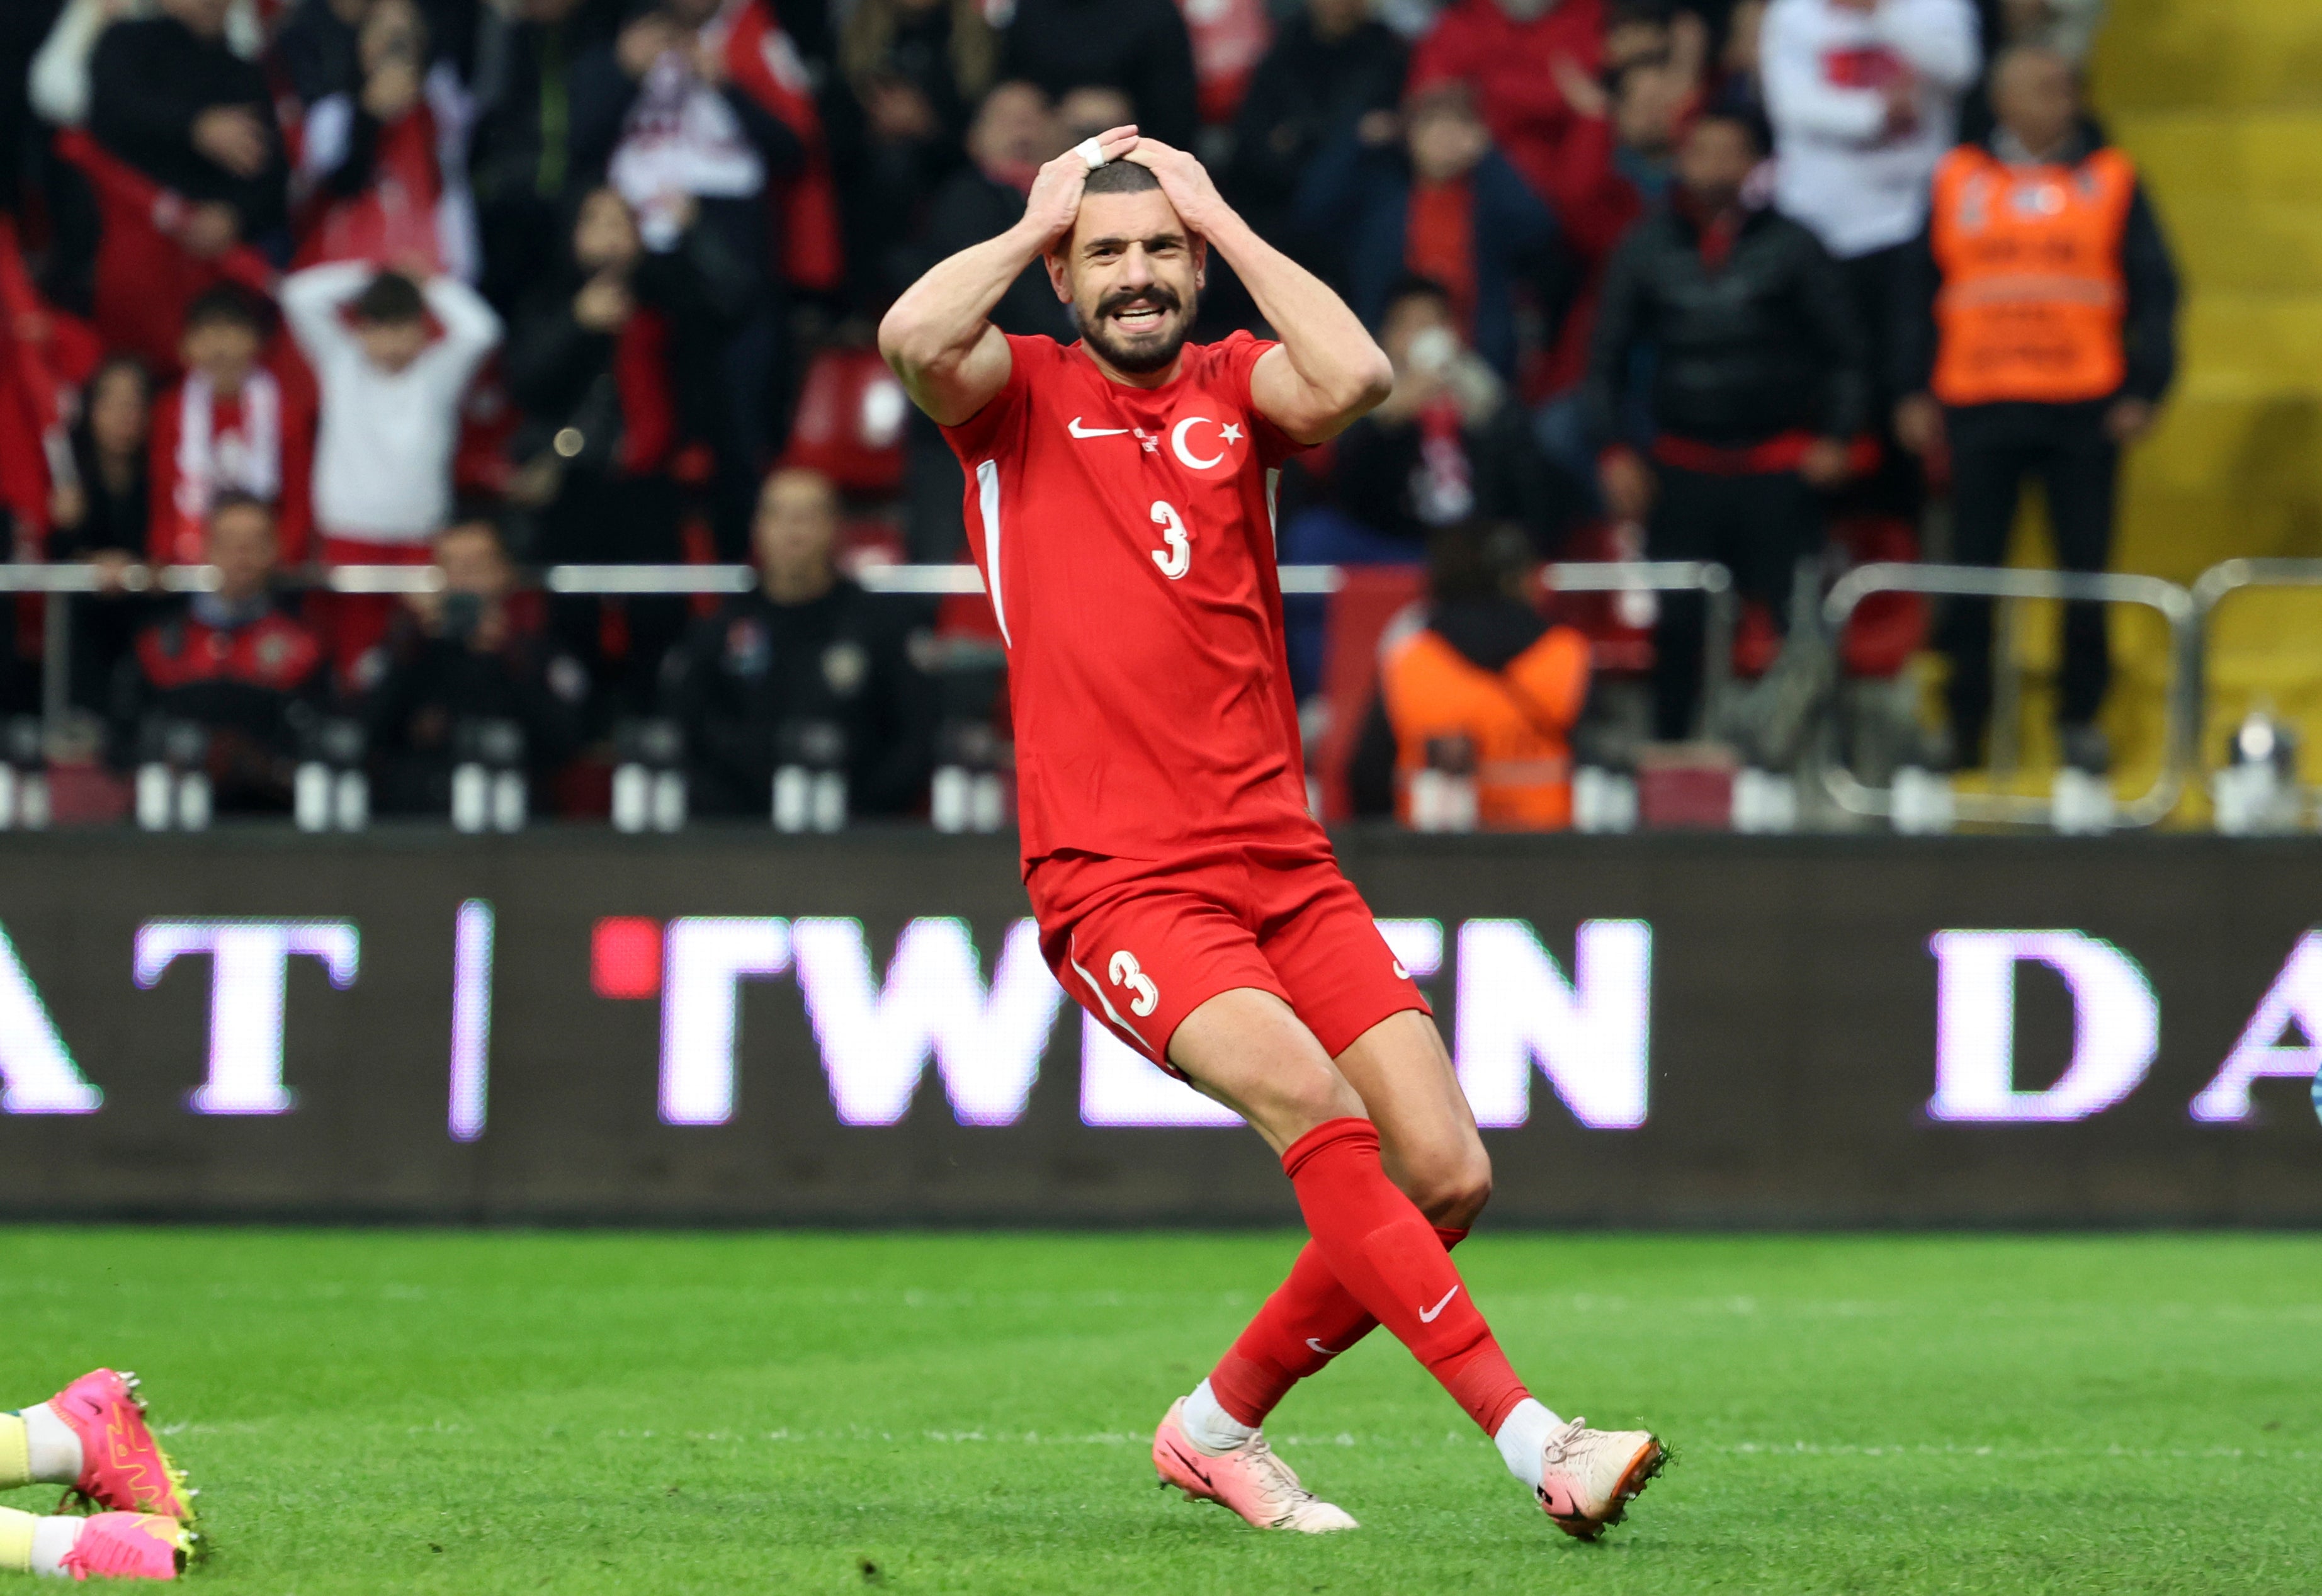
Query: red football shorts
point(1141, 944)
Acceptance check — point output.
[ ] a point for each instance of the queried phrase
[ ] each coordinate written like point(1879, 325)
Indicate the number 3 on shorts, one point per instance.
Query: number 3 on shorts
point(1178, 557)
point(1125, 972)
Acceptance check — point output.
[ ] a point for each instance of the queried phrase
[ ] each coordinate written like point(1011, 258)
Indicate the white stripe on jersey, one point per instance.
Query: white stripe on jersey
point(1073, 958)
point(987, 490)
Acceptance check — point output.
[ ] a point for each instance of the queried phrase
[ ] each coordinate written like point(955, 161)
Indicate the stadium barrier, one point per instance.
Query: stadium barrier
point(2220, 582)
point(2187, 615)
point(2182, 706)
point(732, 1026)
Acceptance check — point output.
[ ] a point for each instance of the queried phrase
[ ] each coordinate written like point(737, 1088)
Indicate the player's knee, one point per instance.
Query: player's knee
point(1320, 1094)
point(1451, 1191)
point(1298, 1099)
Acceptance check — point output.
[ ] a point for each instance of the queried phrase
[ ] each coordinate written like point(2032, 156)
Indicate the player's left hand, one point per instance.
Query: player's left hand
point(1185, 181)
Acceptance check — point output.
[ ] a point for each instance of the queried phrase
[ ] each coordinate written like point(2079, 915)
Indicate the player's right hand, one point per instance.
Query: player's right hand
point(1055, 196)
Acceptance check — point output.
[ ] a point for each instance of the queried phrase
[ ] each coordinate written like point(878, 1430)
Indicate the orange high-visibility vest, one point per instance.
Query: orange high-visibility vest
point(1516, 719)
point(2033, 292)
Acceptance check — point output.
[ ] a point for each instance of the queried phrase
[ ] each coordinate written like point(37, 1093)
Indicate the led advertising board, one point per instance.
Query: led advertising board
point(730, 1027)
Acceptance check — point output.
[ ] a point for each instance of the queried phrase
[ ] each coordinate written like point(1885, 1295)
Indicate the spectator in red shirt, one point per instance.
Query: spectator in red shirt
point(385, 159)
point(1443, 204)
point(1519, 55)
point(228, 427)
point(234, 662)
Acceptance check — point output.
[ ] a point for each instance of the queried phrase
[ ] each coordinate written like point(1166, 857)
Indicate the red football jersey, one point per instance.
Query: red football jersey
point(1126, 536)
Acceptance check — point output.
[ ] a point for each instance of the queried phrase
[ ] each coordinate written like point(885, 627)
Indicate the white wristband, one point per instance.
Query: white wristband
point(1091, 151)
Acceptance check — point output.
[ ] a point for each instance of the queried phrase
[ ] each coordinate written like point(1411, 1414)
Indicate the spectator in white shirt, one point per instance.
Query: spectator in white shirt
point(1864, 98)
point(391, 385)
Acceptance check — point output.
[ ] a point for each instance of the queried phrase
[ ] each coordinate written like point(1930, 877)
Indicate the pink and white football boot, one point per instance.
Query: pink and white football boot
point(1249, 1479)
point(1587, 1477)
point(122, 1468)
point(130, 1547)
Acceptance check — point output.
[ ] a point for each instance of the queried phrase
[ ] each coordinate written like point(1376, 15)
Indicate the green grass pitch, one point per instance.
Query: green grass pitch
point(392, 1411)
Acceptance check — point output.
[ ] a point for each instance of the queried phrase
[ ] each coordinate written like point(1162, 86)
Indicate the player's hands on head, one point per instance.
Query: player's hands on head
point(1184, 181)
point(1055, 196)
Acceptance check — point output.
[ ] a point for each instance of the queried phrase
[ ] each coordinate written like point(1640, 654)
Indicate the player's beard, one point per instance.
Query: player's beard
point(1152, 352)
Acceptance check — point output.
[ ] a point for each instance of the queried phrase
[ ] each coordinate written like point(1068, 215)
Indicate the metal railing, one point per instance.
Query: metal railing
point(2220, 582)
point(1713, 581)
point(2181, 708)
point(2188, 613)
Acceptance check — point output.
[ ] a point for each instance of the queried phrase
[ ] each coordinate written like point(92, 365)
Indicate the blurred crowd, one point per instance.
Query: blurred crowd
point(489, 285)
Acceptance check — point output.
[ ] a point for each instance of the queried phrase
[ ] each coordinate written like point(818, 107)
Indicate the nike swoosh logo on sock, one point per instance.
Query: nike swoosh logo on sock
point(1428, 1315)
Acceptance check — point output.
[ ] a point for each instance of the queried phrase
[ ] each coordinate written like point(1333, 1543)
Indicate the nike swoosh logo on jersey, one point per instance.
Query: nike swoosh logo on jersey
point(1428, 1315)
point(1328, 1351)
point(1075, 427)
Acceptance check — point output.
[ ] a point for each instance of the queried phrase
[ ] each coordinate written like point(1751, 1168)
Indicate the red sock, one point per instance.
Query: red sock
point(1309, 1321)
point(1388, 1258)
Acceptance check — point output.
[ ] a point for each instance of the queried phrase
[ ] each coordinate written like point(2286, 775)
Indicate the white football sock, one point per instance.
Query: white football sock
point(52, 1539)
point(1210, 1426)
point(54, 1449)
point(1523, 1436)
point(30, 1545)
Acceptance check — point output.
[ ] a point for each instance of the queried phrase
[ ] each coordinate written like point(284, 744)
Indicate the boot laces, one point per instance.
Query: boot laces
point(1277, 1478)
point(1564, 1443)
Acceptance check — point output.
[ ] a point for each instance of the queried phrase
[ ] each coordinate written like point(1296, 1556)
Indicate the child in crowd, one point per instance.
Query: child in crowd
point(392, 357)
point(225, 429)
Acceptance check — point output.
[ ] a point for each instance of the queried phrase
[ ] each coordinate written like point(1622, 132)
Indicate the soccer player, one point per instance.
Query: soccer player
point(1119, 498)
point(92, 1438)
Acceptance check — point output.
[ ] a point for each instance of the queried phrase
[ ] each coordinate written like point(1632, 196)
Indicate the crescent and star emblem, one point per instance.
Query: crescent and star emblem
point(1228, 433)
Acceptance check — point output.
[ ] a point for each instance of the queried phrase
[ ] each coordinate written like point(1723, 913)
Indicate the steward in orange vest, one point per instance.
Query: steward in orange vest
point(1485, 667)
point(2038, 336)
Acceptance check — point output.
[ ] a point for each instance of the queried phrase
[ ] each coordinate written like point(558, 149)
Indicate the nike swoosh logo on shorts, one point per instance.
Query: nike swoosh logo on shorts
point(1428, 1315)
point(1075, 427)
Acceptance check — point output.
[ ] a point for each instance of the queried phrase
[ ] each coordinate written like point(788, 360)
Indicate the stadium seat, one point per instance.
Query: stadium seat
point(850, 422)
point(1359, 614)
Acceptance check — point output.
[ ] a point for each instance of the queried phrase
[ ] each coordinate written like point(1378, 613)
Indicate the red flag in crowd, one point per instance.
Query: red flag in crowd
point(762, 62)
point(145, 274)
point(45, 354)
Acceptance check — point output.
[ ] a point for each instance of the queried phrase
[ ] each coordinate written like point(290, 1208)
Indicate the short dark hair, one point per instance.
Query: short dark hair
point(234, 498)
point(224, 305)
point(390, 296)
point(1120, 177)
point(1415, 285)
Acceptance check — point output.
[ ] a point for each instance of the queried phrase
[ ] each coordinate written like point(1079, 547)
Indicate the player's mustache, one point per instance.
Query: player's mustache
point(1158, 295)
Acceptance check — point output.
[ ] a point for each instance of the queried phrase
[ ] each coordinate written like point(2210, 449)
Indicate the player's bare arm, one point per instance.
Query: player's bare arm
point(938, 336)
point(1328, 370)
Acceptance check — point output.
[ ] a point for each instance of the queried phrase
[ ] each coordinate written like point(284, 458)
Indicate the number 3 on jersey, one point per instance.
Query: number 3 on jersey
point(1127, 973)
point(1177, 557)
